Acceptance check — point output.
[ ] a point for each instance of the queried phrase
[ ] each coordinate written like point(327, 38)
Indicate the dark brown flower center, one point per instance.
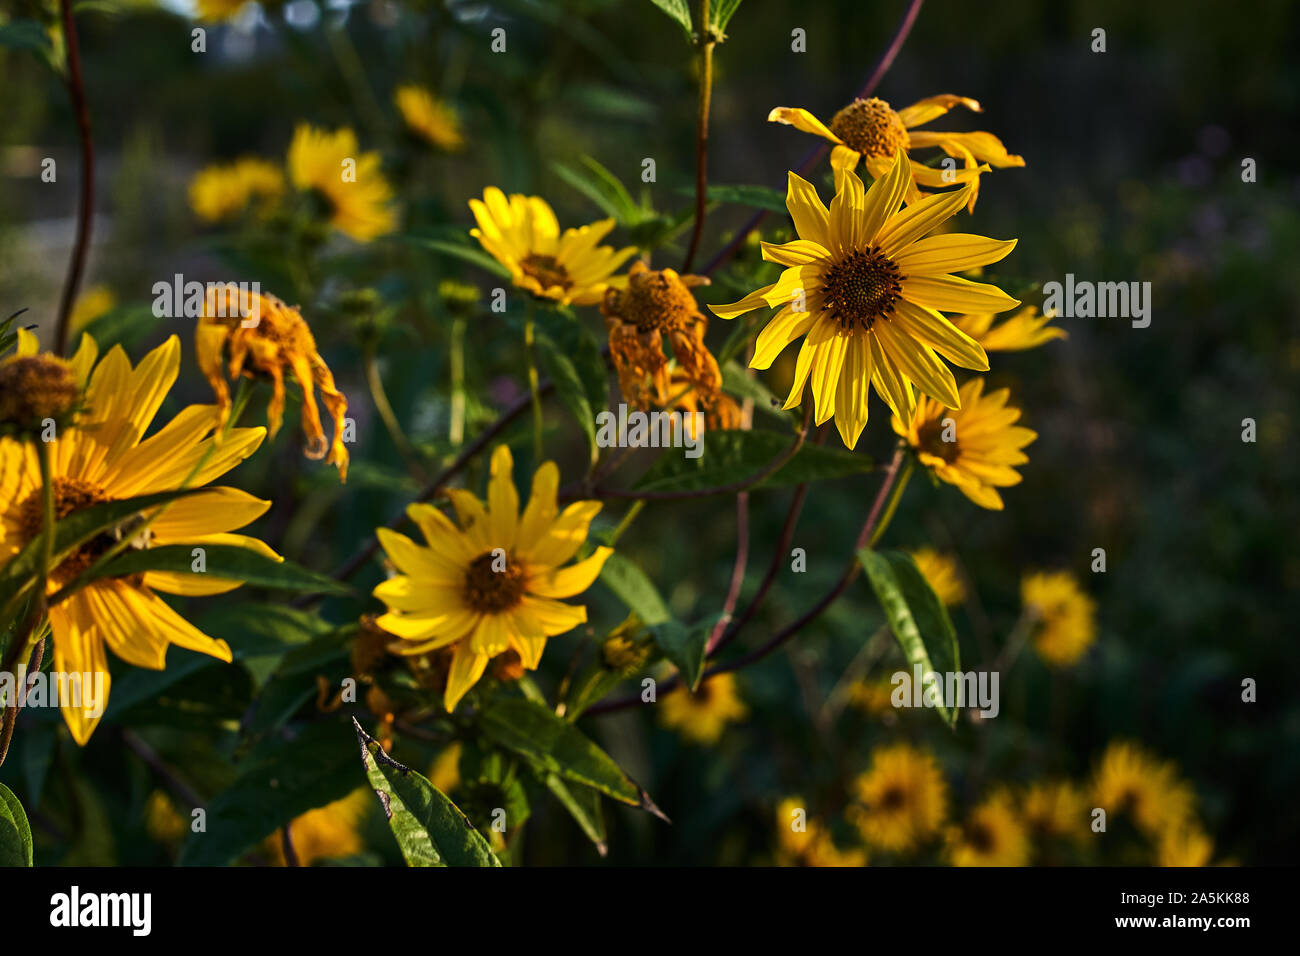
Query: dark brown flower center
point(862, 287)
point(71, 495)
point(494, 582)
point(931, 439)
point(980, 837)
point(547, 270)
point(871, 128)
point(893, 798)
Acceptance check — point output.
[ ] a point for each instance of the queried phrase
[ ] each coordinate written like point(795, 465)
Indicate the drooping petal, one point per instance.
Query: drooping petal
point(566, 582)
point(803, 120)
point(467, 667)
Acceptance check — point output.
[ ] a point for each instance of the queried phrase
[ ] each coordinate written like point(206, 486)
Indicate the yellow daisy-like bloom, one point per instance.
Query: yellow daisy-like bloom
point(991, 836)
point(903, 798)
point(350, 182)
point(277, 339)
point(812, 846)
point(875, 697)
point(874, 132)
point(523, 235)
point(1027, 329)
point(865, 289)
point(216, 11)
point(1055, 811)
point(106, 458)
point(975, 447)
point(90, 305)
point(1131, 782)
point(1065, 622)
point(1184, 846)
point(224, 191)
point(491, 585)
point(701, 717)
point(429, 118)
point(942, 574)
point(326, 833)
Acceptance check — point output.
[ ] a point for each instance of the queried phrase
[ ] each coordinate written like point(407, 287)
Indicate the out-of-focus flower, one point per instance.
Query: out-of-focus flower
point(942, 574)
point(1131, 782)
point(217, 11)
point(105, 459)
point(36, 387)
point(326, 833)
point(492, 584)
point(1026, 329)
point(90, 305)
point(523, 235)
point(1055, 810)
point(702, 716)
point(874, 132)
point(902, 799)
point(875, 697)
point(161, 821)
point(351, 183)
point(810, 845)
point(445, 772)
point(975, 447)
point(991, 836)
point(224, 191)
point(260, 333)
point(1184, 846)
point(864, 290)
point(1064, 617)
point(429, 118)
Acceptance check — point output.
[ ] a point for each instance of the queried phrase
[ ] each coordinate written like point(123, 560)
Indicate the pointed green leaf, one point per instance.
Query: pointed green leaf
point(15, 834)
point(226, 561)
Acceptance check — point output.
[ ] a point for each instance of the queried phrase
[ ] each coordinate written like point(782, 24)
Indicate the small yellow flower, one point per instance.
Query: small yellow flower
point(1027, 329)
point(872, 131)
point(811, 845)
point(1184, 846)
point(975, 447)
point(1131, 782)
point(991, 836)
point(429, 118)
point(492, 584)
point(36, 388)
point(942, 574)
point(276, 340)
point(224, 191)
point(1055, 811)
point(523, 235)
point(875, 697)
point(702, 717)
point(902, 798)
point(326, 833)
point(1064, 624)
point(105, 458)
point(216, 11)
point(864, 290)
point(90, 305)
point(161, 821)
point(350, 182)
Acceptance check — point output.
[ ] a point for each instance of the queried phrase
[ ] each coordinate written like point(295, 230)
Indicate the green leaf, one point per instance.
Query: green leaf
point(731, 456)
point(571, 357)
point(583, 805)
point(127, 326)
point(556, 746)
point(630, 584)
point(759, 197)
point(226, 561)
point(736, 382)
point(916, 616)
point(429, 828)
point(463, 251)
point(603, 188)
point(721, 12)
point(685, 646)
point(15, 834)
point(679, 11)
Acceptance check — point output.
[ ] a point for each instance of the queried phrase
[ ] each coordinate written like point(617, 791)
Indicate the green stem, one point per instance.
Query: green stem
point(456, 433)
point(628, 517)
point(385, 409)
point(893, 504)
point(534, 382)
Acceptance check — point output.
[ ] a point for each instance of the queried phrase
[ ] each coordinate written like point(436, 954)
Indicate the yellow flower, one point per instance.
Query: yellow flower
point(90, 305)
point(490, 585)
point(942, 574)
point(429, 118)
point(445, 772)
point(812, 845)
point(1064, 616)
point(350, 182)
point(523, 235)
point(866, 290)
point(701, 717)
point(277, 341)
point(1027, 329)
point(1131, 782)
point(903, 798)
point(875, 697)
point(1184, 846)
point(103, 459)
point(161, 821)
point(215, 11)
point(326, 833)
point(874, 132)
point(991, 836)
point(1055, 810)
point(975, 447)
point(36, 388)
point(224, 191)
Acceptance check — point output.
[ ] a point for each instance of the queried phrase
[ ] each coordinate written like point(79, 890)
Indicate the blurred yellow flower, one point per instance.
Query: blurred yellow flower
point(1131, 782)
point(1055, 810)
point(1185, 845)
point(902, 798)
point(161, 821)
point(809, 845)
point(224, 191)
point(106, 458)
point(429, 117)
point(874, 132)
point(523, 235)
point(90, 305)
point(864, 290)
point(326, 833)
point(351, 183)
point(991, 836)
point(975, 447)
point(490, 585)
point(276, 340)
point(875, 697)
point(942, 574)
point(702, 717)
point(1026, 329)
point(216, 11)
point(445, 772)
point(1064, 617)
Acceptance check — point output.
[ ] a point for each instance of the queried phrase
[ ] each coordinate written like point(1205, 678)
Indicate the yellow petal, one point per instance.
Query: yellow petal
point(953, 252)
point(806, 209)
point(933, 107)
point(565, 536)
point(916, 220)
point(78, 649)
point(503, 500)
point(566, 582)
point(801, 119)
point(918, 362)
point(466, 668)
point(955, 294)
point(941, 335)
point(883, 200)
